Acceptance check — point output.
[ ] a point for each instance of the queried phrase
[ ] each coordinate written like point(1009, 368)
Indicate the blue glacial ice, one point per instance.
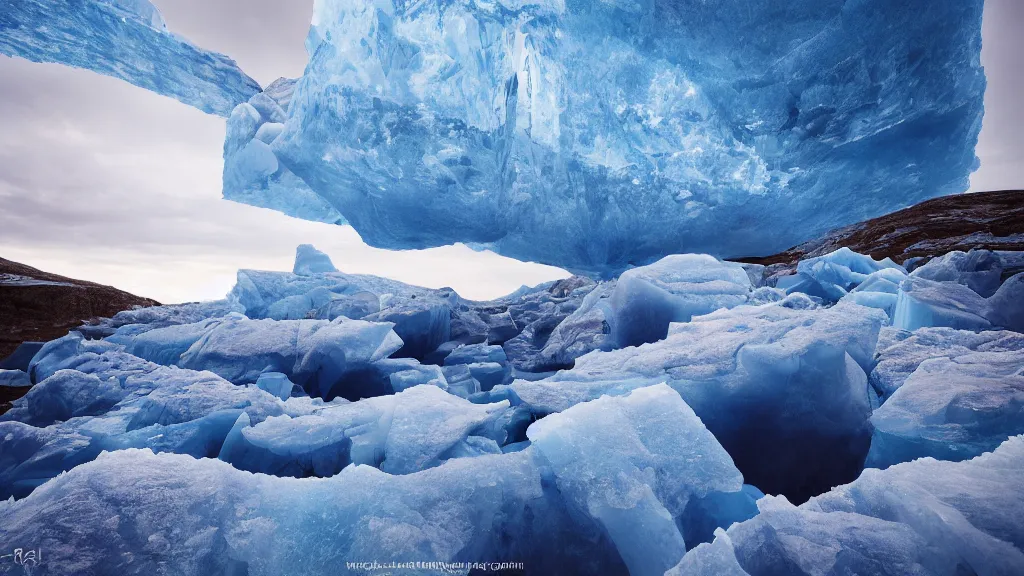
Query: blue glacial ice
point(197, 437)
point(638, 307)
point(926, 303)
point(951, 408)
point(565, 509)
point(14, 379)
point(834, 276)
point(779, 388)
point(979, 270)
point(596, 136)
point(126, 39)
point(900, 352)
point(925, 517)
point(253, 174)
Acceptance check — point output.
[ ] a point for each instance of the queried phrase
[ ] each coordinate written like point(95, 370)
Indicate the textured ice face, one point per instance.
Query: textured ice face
point(778, 387)
point(618, 504)
point(126, 39)
point(924, 517)
point(598, 135)
point(951, 409)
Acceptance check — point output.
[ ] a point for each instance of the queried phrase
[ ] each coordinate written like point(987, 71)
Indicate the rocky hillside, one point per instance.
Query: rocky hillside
point(36, 306)
point(985, 220)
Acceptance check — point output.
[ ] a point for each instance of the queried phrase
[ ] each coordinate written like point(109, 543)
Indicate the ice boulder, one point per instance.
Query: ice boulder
point(923, 517)
point(276, 384)
point(783, 390)
point(634, 130)
point(634, 472)
point(648, 456)
point(328, 359)
point(638, 307)
point(163, 345)
point(922, 303)
point(14, 379)
point(1006, 306)
point(902, 352)
point(410, 431)
point(951, 409)
point(422, 317)
point(979, 270)
point(126, 39)
point(309, 260)
point(832, 276)
point(111, 401)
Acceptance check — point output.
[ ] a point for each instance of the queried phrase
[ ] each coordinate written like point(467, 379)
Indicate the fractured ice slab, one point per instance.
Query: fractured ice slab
point(309, 260)
point(596, 136)
point(925, 517)
point(653, 430)
point(638, 307)
point(548, 503)
point(979, 270)
point(923, 303)
point(951, 409)
point(410, 431)
point(900, 352)
point(783, 390)
point(832, 276)
point(126, 39)
point(14, 379)
point(94, 398)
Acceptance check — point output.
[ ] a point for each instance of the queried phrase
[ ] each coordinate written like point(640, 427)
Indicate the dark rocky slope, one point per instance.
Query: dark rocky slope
point(37, 306)
point(984, 220)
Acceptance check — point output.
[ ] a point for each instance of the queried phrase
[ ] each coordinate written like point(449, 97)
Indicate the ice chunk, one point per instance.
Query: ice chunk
point(832, 276)
point(276, 384)
point(979, 270)
point(601, 452)
point(111, 401)
point(186, 515)
point(1006, 306)
point(309, 260)
point(328, 359)
point(923, 303)
point(162, 345)
point(923, 517)
point(401, 434)
point(126, 39)
point(639, 306)
point(783, 390)
point(14, 379)
point(903, 352)
point(476, 353)
point(281, 91)
point(728, 127)
point(951, 409)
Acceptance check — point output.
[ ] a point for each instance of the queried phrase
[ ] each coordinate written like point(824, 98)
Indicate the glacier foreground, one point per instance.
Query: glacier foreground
point(321, 422)
point(126, 39)
point(599, 135)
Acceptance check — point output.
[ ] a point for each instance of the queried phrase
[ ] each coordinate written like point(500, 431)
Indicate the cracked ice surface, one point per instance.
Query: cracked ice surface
point(596, 135)
point(126, 39)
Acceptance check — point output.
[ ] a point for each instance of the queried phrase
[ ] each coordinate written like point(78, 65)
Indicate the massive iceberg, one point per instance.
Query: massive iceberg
point(598, 135)
point(126, 39)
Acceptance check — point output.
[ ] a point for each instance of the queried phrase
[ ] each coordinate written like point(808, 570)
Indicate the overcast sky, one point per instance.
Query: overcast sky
point(104, 181)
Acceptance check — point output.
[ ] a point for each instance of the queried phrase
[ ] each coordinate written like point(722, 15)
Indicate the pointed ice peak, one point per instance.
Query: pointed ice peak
point(309, 261)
